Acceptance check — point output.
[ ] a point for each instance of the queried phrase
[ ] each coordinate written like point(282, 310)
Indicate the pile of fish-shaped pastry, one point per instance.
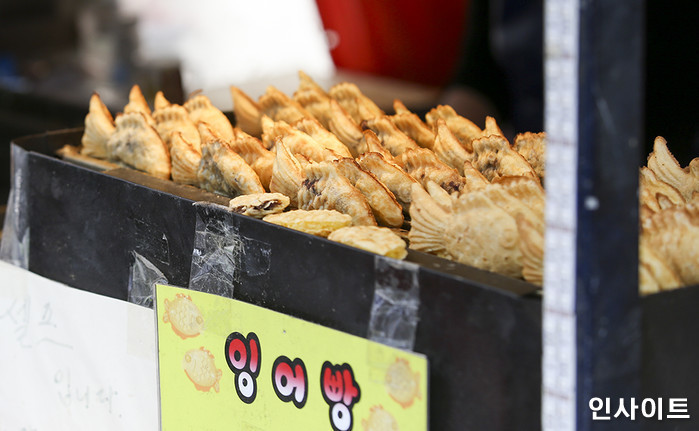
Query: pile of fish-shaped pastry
point(669, 241)
point(470, 195)
point(340, 163)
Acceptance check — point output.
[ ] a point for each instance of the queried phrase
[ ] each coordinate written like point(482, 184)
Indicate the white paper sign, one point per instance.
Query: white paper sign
point(73, 360)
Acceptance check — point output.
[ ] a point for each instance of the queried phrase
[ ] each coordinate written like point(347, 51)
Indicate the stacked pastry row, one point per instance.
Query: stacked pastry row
point(465, 194)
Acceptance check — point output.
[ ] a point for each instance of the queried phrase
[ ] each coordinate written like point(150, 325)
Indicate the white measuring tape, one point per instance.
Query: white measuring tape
point(561, 39)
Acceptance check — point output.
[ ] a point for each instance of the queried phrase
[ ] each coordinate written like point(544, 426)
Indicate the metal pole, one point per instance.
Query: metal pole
point(593, 118)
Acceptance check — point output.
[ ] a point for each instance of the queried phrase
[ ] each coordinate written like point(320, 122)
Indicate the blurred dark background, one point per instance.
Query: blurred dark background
point(484, 56)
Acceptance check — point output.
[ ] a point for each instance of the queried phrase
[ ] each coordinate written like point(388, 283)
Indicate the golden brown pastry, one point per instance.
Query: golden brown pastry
point(526, 190)
point(99, 126)
point(667, 169)
point(259, 205)
point(532, 146)
point(656, 194)
point(532, 247)
point(138, 145)
point(160, 101)
point(383, 203)
point(314, 222)
point(379, 240)
point(344, 127)
point(423, 165)
point(395, 141)
point(475, 232)
point(175, 118)
point(260, 159)
point(185, 160)
point(391, 175)
point(278, 106)
point(494, 158)
point(371, 143)
point(491, 127)
point(673, 234)
point(316, 103)
point(412, 126)
point(223, 171)
point(463, 128)
point(248, 114)
point(654, 273)
point(325, 188)
point(448, 148)
point(315, 130)
point(473, 177)
point(137, 103)
point(201, 110)
point(287, 173)
point(357, 105)
point(296, 140)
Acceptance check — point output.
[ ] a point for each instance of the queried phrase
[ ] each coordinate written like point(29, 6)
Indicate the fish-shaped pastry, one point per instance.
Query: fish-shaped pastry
point(99, 126)
point(138, 145)
point(324, 188)
point(448, 148)
point(260, 159)
point(667, 169)
point(287, 173)
point(259, 205)
point(185, 160)
point(383, 203)
point(475, 231)
point(278, 106)
point(175, 118)
point(379, 240)
point(532, 146)
point(296, 140)
point(423, 165)
point(673, 234)
point(494, 158)
point(654, 273)
point(463, 128)
point(371, 143)
point(357, 105)
point(344, 127)
point(314, 222)
point(316, 103)
point(410, 124)
point(222, 170)
point(315, 130)
point(201, 110)
point(656, 194)
point(160, 101)
point(137, 103)
point(391, 175)
point(491, 127)
point(248, 114)
point(395, 141)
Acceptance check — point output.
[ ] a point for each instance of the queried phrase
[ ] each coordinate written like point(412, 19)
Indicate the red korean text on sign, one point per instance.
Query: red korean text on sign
point(290, 380)
point(341, 392)
point(243, 355)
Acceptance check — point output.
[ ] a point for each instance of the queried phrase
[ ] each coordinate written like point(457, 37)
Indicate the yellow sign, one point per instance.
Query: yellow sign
point(225, 364)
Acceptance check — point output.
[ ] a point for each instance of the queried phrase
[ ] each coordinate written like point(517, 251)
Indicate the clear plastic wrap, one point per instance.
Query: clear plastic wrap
point(394, 312)
point(15, 232)
point(143, 277)
point(221, 254)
